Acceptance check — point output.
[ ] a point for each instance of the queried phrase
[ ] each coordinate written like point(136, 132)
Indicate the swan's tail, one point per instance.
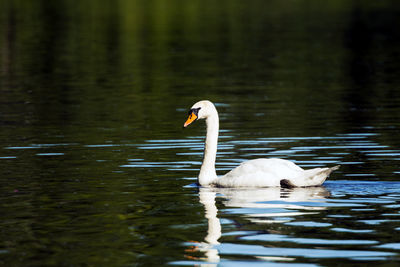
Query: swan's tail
point(313, 177)
point(316, 177)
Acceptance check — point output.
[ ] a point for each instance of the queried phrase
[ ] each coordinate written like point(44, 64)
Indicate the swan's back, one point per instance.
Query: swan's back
point(272, 172)
point(260, 173)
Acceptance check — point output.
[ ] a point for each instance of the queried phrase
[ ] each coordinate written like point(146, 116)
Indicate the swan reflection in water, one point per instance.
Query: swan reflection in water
point(259, 205)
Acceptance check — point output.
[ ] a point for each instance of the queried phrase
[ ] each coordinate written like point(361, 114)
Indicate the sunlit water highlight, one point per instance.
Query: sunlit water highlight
point(299, 225)
point(96, 171)
point(352, 220)
point(354, 217)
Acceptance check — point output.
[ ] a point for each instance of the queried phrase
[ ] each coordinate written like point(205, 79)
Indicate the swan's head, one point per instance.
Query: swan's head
point(201, 110)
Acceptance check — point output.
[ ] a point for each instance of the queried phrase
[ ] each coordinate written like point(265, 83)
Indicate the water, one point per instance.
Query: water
point(96, 170)
point(345, 220)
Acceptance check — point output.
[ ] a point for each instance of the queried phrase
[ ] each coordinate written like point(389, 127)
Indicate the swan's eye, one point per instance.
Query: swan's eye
point(194, 111)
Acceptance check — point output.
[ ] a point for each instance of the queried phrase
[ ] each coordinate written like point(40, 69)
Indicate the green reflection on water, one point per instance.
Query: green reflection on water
point(115, 74)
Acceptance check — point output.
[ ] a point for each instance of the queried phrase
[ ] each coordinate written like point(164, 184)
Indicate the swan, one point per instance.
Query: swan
point(272, 172)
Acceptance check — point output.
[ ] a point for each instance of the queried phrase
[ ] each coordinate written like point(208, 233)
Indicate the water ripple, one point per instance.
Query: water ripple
point(310, 151)
point(257, 250)
point(329, 222)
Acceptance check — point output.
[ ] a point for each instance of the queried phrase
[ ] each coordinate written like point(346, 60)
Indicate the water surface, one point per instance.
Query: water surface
point(96, 170)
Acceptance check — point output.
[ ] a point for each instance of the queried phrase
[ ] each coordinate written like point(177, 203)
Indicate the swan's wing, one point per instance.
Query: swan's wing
point(260, 173)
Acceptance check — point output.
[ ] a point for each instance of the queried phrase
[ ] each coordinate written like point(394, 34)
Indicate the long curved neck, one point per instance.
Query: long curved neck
point(207, 172)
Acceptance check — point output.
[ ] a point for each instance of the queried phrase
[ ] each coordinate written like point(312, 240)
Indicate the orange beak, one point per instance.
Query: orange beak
point(192, 118)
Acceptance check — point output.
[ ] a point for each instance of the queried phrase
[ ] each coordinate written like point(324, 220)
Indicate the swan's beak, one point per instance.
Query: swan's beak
point(192, 117)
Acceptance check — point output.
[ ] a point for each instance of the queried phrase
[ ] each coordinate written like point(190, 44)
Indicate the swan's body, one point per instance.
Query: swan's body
point(253, 173)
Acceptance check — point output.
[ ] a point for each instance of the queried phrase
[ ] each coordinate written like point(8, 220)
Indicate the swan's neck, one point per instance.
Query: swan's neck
point(207, 172)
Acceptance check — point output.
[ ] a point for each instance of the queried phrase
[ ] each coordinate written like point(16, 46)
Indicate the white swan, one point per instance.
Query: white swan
point(252, 173)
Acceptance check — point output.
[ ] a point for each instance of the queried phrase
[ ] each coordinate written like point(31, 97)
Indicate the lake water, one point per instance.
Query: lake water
point(96, 170)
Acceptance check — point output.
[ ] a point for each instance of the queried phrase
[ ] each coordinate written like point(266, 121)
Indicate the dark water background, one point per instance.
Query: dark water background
point(95, 169)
